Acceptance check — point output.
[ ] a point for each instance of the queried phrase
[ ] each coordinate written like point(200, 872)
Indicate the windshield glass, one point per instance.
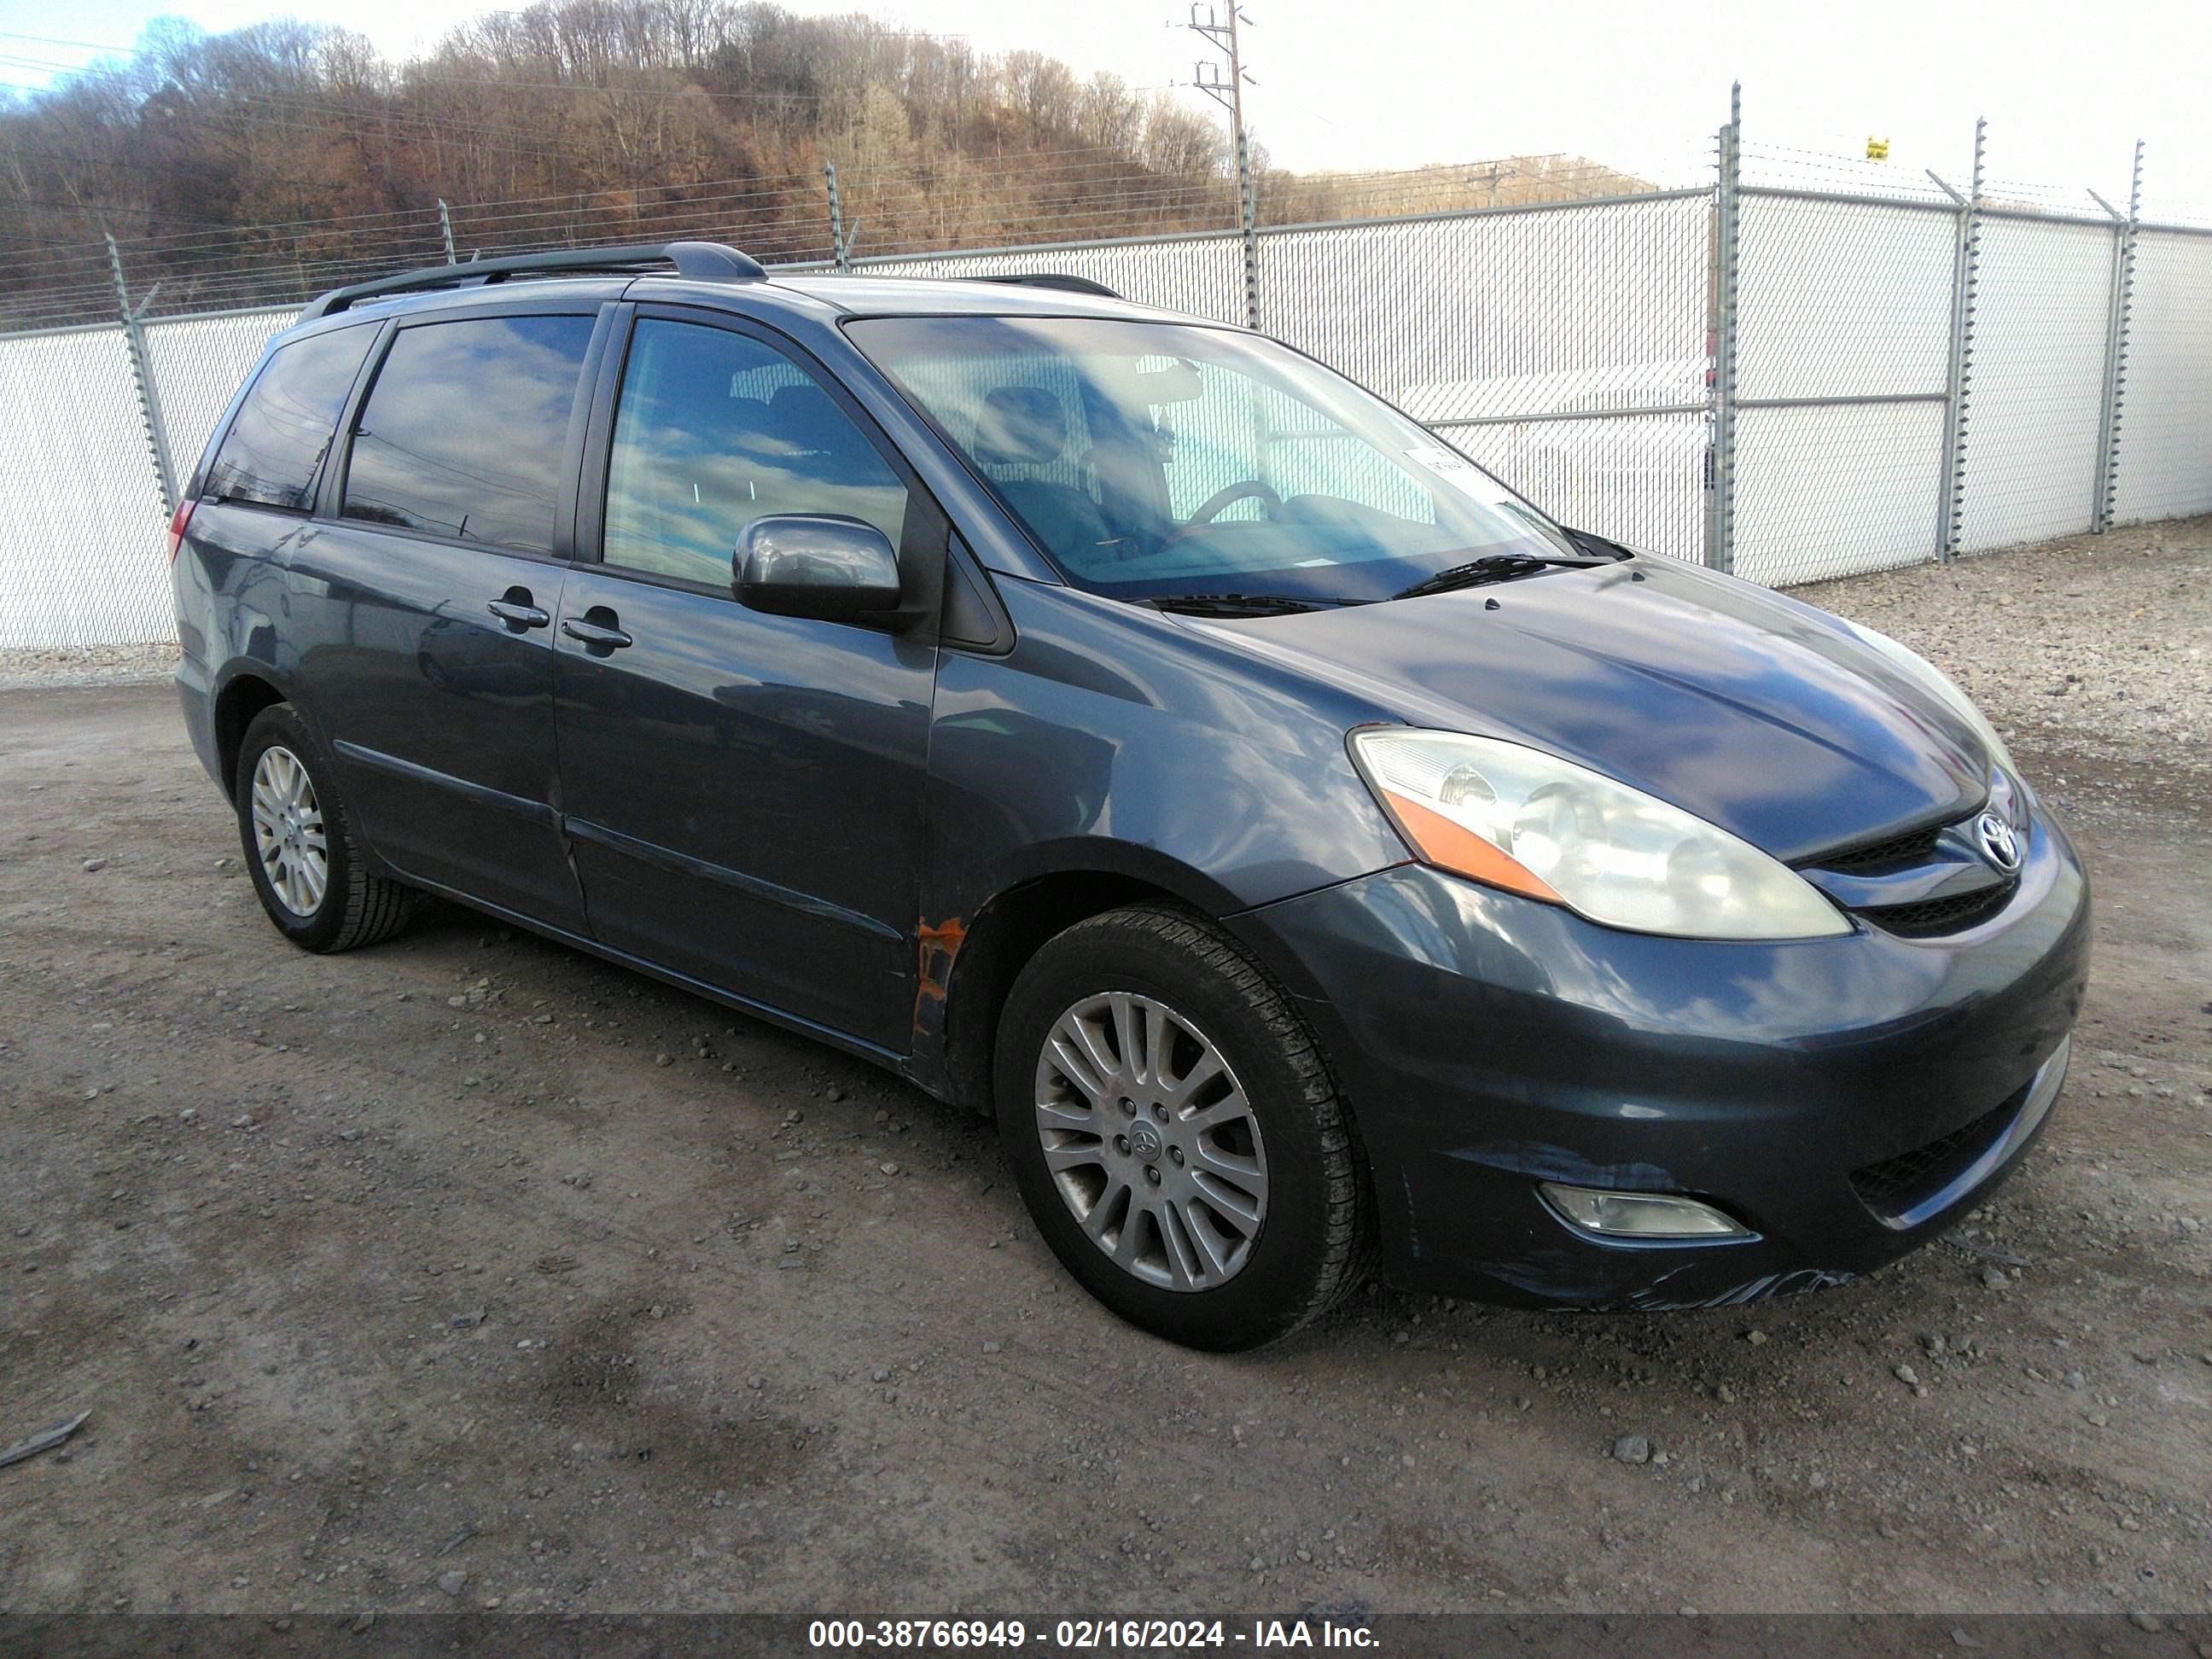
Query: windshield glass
point(1155, 459)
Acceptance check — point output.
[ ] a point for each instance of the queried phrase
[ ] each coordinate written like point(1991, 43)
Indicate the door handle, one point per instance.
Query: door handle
point(519, 614)
point(596, 636)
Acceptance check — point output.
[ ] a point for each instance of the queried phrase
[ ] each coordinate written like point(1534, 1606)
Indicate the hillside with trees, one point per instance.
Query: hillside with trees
point(282, 157)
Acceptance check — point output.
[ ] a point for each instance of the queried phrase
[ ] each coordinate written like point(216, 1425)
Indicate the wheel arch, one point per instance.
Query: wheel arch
point(991, 948)
point(969, 963)
point(244, 691)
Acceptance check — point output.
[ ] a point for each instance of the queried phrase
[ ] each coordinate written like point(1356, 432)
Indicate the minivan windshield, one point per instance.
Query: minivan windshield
point(1152, 460)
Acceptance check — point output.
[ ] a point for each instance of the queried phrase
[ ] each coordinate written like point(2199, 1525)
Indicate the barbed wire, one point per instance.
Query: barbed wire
point(890, 208)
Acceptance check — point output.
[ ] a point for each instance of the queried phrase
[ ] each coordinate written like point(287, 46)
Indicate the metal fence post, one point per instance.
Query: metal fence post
point(1720, 393)
point(838, 251)
point(1248, 216)
point(142, 377)
point(2105, 501)
point(1964, 268)
point(446, 231)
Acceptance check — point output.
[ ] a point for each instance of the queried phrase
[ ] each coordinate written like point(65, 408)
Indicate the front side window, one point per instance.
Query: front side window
point(715, 429)
point(462, 433)
point(270, 455)
point(1155, 459)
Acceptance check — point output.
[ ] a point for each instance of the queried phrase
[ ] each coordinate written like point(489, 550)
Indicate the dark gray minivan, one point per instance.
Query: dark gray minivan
point(1122, 724)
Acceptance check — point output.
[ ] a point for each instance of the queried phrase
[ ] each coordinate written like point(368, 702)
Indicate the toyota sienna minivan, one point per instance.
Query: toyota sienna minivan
point(1310, 853)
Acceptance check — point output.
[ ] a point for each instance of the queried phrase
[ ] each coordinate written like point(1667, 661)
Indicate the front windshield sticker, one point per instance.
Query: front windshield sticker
point(1456, 469)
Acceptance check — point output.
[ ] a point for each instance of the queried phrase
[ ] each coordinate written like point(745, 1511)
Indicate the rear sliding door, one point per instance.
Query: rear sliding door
point(425, 606)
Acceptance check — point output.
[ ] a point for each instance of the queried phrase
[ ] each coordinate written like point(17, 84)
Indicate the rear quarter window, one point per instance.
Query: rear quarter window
point(270, 455)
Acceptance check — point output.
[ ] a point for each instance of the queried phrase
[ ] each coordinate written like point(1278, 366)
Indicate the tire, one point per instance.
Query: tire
point(349, 906)
point(1259, 1219)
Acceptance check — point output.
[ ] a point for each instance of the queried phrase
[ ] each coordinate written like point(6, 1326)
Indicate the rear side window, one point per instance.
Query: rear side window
point(271, 454)
point(462, 433)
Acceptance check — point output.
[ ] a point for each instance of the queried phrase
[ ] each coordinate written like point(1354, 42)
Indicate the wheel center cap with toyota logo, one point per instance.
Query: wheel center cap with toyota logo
point(1145, 1141)
point(2000, 845)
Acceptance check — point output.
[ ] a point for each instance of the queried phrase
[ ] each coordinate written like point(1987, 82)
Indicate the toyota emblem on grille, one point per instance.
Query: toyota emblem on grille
point(1999, 843)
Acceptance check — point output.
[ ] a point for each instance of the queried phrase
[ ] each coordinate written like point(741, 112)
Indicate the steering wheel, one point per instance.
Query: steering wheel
point(1212, 508)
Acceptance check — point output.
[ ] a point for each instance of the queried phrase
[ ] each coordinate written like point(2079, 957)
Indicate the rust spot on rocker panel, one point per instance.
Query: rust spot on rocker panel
point(938, 944)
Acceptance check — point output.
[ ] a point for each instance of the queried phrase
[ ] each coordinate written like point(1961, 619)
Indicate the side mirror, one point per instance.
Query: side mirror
point(815, 564)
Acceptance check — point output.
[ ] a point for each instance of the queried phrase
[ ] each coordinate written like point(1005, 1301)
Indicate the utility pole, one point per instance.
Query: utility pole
point(1496, 171)
point(1230, 94)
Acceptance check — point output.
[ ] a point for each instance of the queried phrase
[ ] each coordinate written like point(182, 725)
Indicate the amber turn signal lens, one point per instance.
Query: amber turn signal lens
point(1446, 845)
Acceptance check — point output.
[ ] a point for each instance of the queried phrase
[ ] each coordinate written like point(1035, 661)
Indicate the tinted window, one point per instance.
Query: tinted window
point(284, 425)
point(714, 430)
point(462, 433)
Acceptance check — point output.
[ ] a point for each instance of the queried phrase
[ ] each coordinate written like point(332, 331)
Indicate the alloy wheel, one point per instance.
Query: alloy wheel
point(287, 831)
point(1151, 1141)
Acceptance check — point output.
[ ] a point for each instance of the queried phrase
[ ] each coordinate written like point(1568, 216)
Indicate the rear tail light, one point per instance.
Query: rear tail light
point(179, 521)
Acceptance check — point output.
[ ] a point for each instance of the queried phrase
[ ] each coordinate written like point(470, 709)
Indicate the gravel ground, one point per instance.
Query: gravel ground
point(86, 665)
point(2098, 645)
point(469, 1271)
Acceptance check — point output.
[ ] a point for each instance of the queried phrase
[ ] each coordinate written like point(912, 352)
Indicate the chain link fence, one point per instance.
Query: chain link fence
point(1563, 348)
point(1843, 324)
point(81, 503)
point(1202, 274)
point(2165, 417)
point(1811, 368)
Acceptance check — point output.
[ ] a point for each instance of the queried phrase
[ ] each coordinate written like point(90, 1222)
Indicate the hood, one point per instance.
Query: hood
point(1754, 711)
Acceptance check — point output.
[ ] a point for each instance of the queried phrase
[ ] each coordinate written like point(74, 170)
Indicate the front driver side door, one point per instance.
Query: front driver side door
point(743, 792)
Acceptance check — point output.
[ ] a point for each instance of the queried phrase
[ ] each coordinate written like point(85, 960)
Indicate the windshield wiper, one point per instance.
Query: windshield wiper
point(1494, 568)
point(1242, 605)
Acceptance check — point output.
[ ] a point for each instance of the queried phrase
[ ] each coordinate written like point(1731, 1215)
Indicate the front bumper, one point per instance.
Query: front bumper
point(1843, 1099)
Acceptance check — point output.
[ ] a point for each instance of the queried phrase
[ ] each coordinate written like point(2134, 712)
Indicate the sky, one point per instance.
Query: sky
point(2066, 88)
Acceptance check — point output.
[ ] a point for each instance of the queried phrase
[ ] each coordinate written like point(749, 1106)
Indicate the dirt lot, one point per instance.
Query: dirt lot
point(470, 1271)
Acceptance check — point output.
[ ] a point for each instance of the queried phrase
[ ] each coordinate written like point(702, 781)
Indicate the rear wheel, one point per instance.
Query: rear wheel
point(292, 822)
point(1175, 1134)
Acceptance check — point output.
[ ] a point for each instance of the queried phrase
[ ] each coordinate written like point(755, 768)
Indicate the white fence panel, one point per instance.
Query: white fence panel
point(1836, 490)
point(81, 563)
point(2166, 428)
point(1573, 307)
point(1592, 314)
point(1842, 299)
point(1844, 331)
point(2042, 324)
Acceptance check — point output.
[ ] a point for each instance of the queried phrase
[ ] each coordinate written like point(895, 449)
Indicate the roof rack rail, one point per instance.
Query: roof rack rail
point(1057, 279)
point(706, 261)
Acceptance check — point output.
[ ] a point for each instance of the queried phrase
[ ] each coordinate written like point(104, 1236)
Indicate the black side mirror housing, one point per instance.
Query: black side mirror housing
point(820, 565)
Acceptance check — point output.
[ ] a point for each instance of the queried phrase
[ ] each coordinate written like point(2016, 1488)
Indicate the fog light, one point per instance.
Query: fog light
point(1640, 1215)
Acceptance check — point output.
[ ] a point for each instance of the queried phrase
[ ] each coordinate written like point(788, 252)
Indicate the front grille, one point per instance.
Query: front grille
point(1932, 917)
point(1896, 1185)
point(1914, 848)
point(1899, 862)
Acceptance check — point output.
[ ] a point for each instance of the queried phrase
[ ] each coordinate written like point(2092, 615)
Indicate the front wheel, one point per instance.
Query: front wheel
point(1175, 1134)
point(298, 843)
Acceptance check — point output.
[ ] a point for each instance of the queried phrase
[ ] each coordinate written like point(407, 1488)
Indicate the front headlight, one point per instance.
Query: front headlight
point(1515, 817)
point(1933, 679)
